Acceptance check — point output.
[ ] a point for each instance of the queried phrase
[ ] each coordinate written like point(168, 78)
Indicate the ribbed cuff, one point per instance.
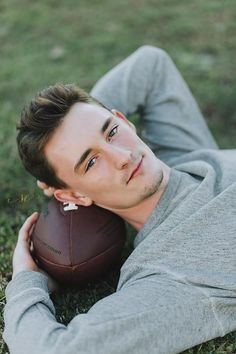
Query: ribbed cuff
point(24, 280)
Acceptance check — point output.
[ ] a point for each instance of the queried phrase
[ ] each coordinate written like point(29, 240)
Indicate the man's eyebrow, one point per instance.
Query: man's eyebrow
point(88, 151)
point(82, 159)
point(106, 124)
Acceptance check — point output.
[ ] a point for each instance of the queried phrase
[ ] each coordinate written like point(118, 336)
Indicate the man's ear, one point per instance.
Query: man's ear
point(68, 196)
point(123, 117)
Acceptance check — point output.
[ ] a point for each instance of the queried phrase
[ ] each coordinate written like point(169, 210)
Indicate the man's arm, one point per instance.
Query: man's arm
point(150, 313)
point(149, 83)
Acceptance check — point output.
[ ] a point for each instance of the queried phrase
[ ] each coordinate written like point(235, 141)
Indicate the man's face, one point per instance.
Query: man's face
point(97, 153)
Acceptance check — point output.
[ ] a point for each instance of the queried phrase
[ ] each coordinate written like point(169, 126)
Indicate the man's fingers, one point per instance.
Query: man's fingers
point(42, 185)
point(27, 227)
point(32, 252)
point(32, 228)
point(31, 248)
point(48, 191)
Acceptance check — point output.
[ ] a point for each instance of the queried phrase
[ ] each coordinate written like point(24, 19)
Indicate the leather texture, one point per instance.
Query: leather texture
point(78, 246)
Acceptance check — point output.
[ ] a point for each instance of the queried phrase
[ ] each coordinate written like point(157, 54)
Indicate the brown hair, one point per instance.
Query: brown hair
point(39, 119)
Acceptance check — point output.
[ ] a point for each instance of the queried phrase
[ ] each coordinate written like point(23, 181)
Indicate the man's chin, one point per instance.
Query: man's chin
point(154, 186)
point(148, 190)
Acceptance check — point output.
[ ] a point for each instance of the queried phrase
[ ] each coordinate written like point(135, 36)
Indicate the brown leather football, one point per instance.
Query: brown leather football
point(77, 246)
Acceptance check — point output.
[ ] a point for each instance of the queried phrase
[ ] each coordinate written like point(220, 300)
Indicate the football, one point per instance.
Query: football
point(76, 244)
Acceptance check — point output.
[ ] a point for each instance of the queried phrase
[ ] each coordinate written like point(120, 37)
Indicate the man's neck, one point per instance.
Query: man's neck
point(138, 215)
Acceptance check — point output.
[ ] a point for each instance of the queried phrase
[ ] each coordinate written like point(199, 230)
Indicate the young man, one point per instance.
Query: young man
point(178, 287)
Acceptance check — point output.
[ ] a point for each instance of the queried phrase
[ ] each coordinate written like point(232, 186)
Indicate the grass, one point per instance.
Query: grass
point(52, 41)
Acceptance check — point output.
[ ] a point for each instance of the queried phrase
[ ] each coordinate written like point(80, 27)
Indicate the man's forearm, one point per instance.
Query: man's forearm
point(29, 315)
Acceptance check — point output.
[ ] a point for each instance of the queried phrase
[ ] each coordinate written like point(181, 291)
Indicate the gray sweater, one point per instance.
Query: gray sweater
point(176, 289)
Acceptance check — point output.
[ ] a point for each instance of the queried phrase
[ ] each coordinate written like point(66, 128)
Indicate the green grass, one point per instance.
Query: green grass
point(52, 41)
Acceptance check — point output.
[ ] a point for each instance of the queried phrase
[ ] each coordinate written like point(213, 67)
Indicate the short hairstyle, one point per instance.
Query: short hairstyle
point(39, 119)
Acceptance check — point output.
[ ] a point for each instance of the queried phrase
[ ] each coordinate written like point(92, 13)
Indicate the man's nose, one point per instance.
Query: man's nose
point(119, 156)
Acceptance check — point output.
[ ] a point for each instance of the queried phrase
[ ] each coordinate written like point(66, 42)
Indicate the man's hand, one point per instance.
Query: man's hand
point(22, 256)
point(48, 191)
point(22, 259)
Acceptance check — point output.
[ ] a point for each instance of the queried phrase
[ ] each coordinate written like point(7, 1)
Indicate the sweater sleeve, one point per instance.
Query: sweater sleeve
point(29, 314)
point(31, 326)
point(143, 316)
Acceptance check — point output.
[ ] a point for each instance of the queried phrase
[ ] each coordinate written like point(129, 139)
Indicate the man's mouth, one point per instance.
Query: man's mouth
point(136, 170)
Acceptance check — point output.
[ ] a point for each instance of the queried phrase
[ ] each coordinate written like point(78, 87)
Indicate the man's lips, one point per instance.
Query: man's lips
point(135, 170)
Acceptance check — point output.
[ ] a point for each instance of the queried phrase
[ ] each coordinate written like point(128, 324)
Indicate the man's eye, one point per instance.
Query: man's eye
point(113, 132)
point(90, 164)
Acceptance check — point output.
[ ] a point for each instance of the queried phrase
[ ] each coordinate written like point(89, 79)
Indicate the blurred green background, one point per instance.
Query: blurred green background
point(44, 42)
